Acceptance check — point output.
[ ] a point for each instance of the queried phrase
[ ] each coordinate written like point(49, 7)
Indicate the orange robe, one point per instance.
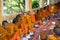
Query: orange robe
point(24, 28)
point(18, 28)
point(41, 15)
point(52, 9)
point(45, 14)
point(24, 19)
point(21, 32)
point(33, 18)
point(51, 37)
point(10, 29)
point(40, 22)
point(3, 34)
point(30, 24)
point(16, 36)
point(14, 31)
point(43, 36)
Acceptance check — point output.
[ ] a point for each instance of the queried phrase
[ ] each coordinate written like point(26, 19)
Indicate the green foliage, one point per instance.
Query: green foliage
point(11, 6)
point(35, 3)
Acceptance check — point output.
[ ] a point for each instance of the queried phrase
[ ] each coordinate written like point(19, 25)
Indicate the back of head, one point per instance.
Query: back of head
point(4, 22)
point(57, 31)
point(18, 16)
point(58, 19)
point(15, 20)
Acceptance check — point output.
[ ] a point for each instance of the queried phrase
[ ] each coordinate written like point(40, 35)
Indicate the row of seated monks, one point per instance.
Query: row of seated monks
point(55, 33)
point(24, 23)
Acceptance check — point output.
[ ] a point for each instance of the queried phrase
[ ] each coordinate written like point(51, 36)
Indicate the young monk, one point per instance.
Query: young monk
point(56, 35)
point(3, 31)
point(29, 24)
point(9, 27)
point(32, 15)
point(44, 13)
point(39, 20)
point(52, 9)
point(16, 35)
point(24, 24)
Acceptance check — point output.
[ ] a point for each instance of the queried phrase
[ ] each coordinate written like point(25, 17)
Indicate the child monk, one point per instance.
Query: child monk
point(29, 24)
point(3, 31)
point(24, 24)
point(9, 27)
point(32, 15)
point(52, 9)
point(45, 13)
point(16, 35)
point(40, 16)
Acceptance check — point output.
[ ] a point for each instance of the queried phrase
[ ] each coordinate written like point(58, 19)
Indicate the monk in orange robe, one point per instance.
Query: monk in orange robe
point(15, 30)
point(52, 9)
point(26, 20)
point(9, 27)
point(30, 24)
point(3, 31)
point(24, 26)
point(32, 15)
point(17, 24)
point(45, 13)
point(21, 25)
point(40, 16)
